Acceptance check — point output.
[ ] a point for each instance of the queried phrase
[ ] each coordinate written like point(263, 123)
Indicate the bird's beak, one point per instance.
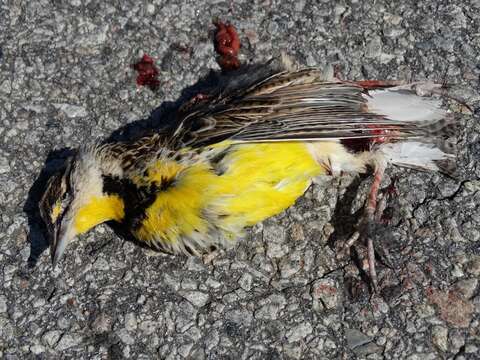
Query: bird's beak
point(61, 238)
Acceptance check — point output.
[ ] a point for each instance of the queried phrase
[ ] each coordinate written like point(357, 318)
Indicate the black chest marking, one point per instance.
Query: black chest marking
point(137, 199)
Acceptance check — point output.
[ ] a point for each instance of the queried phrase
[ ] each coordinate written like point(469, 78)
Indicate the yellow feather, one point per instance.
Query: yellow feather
point(97, 211)
point(177, 211)
point(263, 180)
point(159, 171)
point(260, 181)
point(163, 170)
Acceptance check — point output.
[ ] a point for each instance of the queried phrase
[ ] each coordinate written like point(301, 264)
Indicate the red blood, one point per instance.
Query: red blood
point(200, 97)
point(360, 144)
point(391, 189)
point(229, 63)
point(226, 39)
point(377, 84)
point(194, 101)
point(147, 73)
point(380, 134)
point(227, 45)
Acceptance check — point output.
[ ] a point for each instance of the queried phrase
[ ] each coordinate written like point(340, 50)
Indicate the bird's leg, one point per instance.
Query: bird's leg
point(373, 211)
point(370, 211)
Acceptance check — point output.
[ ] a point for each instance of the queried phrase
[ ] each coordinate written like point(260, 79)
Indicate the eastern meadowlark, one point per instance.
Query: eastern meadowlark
point(242, 154)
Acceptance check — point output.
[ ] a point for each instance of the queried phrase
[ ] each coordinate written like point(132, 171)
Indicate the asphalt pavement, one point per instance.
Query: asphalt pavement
point(282, 292)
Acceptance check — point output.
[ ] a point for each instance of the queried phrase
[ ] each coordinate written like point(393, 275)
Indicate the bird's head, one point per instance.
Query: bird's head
point(75, 201)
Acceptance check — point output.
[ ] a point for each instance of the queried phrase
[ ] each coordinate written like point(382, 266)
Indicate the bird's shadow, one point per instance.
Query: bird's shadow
point(345, 223)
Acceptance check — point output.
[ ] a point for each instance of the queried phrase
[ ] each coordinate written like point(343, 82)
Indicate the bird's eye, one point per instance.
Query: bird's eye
point(56, 211)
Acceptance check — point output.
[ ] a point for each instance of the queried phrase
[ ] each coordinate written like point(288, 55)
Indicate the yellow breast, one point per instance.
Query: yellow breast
point(262, 180)
point(256, 181)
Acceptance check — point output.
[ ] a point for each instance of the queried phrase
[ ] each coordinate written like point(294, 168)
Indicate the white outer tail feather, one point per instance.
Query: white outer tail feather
point(403, 105)
point(414, 154)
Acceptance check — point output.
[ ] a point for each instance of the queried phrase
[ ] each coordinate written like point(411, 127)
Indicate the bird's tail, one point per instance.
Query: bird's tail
point(430, 148)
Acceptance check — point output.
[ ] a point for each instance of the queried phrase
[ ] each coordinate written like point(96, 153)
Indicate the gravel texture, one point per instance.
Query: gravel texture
point(282, 293)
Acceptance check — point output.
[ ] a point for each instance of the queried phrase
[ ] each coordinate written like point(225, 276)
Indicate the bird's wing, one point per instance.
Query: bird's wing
point(294, 106)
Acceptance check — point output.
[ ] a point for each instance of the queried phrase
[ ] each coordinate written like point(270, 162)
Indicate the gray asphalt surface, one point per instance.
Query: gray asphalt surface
point(281, 293)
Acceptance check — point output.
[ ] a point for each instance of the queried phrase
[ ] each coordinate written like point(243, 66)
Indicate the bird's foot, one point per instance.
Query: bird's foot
point(372, 214)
